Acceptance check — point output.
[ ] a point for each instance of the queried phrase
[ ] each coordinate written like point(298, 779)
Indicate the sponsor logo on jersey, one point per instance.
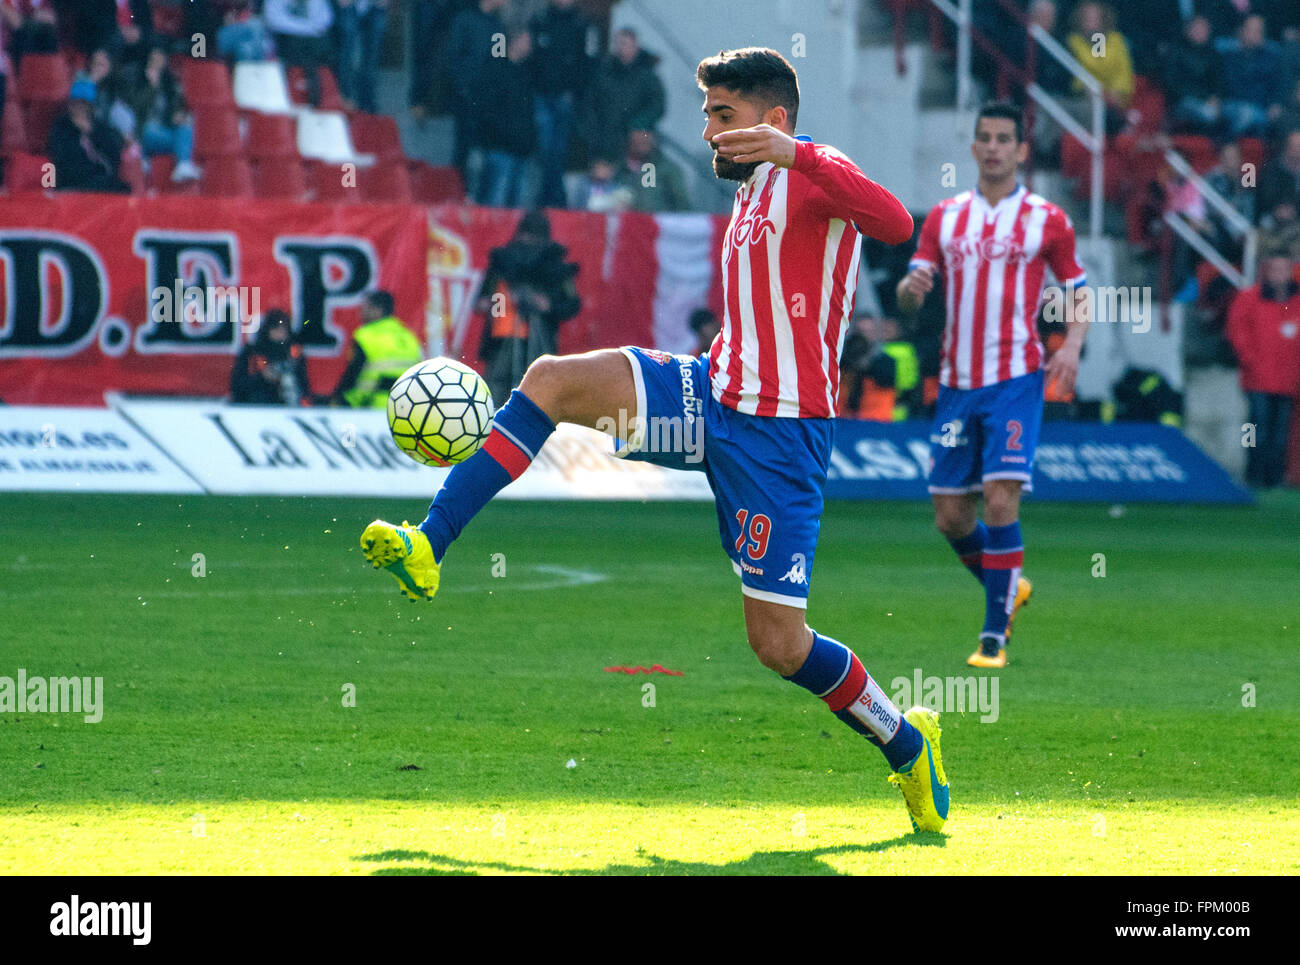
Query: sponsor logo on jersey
point(798, 570)
point(988, 249)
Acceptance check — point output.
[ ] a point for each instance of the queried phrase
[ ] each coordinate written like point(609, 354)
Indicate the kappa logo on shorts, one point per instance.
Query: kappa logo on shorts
point(798, 570)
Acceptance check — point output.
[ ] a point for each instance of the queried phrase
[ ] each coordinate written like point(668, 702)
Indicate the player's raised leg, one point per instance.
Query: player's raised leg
point(583, 389)
point(783, 642)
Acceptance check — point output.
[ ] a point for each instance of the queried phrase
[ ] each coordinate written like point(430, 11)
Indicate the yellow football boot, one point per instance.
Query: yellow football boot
point(923, 782)
point(405, 552)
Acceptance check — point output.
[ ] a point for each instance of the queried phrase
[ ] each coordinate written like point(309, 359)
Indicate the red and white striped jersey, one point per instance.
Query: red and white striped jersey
point(993, 260)
point(789, 276)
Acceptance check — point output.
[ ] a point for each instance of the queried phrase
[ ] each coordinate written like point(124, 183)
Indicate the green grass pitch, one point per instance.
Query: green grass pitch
point(1146, 724)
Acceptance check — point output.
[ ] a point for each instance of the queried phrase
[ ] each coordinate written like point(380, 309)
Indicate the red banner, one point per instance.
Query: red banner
point(156, 296)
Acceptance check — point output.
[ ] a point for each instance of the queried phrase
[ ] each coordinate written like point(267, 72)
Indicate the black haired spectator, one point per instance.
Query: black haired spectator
point(1252, 81)
point(163, 124)
point(271, 369)
point(469, 52)
point(505, 132)
point(626, 95)
point(1193, 79)
point(655, 183)
point(1279, 185)
point(85, 152)
point(382, 349)
point(560, 70)
point(527, 292)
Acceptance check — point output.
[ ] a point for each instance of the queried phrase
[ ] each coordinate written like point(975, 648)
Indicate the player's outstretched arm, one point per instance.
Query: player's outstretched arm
point(839, 186)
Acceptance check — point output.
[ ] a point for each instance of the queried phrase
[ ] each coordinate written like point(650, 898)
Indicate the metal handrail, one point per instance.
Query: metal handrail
point(1094, 143)
point(1238, 222)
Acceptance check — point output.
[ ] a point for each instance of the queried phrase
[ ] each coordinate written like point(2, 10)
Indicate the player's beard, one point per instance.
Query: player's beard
point(730, 170)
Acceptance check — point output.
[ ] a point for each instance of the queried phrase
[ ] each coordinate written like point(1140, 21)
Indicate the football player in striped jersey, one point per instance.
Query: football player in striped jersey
point(992, 247)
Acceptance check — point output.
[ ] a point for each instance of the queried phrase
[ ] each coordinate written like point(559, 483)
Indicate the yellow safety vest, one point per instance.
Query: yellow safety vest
point(390, 350)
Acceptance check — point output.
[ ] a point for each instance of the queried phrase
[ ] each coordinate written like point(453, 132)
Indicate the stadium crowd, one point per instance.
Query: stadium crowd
point(119, 97)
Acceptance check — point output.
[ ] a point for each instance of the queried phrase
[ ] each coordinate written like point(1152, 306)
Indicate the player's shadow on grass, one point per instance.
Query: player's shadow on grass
point(801, 863)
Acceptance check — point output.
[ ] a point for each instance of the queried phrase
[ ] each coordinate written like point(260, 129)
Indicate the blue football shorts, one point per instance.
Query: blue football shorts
point(986, 433)
point(766, 473)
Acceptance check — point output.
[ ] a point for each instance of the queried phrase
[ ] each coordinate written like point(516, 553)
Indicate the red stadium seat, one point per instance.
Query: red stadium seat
point(280, 179)
point(44, 77)
point(272, 136)
point(227, 177)
point(327, 183)
point(1252, 152)
point(216, 133)
point(376, 134)
point(13, 131)
point(24, 173)
point(1199, 151)
point(434, 185)
point(330, 99)
point(168, 18)
point(386, 182)
point(207, 83)
point(131, 170)
point(160, 181)
point(38, 118)
point(1149, 105)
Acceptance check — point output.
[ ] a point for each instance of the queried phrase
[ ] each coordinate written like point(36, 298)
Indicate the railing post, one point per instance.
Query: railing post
point(963, 56)
point(1095, 210)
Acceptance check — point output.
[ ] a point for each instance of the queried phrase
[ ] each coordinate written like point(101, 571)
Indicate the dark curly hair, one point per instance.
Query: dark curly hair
point(757, 73)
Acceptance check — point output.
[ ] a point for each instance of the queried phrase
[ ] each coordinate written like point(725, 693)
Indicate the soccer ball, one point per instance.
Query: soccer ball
point(439, 412)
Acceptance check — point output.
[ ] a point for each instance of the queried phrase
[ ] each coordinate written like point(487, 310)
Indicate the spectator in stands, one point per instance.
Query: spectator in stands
point(1150, 28)
point(1289, 119)
point(107, 78)
point(163, 124)
point(1264, 329)
point(1227, 16)
point(1228, 179)
point(598, 189)
point(560, 70)
point(1193, 79)
point(656, 183)
point(271, 369)
point(361, 33)
point(301, 30)
point(1253, 88)
point(706, 327)
point(382, 349)
point(505, 132)
point(1102, 51)
point(125, 27)
point(27, 27)
point(1279, 185)
point(85, 152)
point(625, 95)
point(243, 35)
point(427, 26)
point(1050, 74)
point(527, 292)
point(469, 51)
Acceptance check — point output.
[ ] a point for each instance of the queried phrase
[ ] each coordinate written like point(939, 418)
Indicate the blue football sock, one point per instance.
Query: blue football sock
point(833, 672)
point(970, 549)
point(518, 432)
point(1004, 556)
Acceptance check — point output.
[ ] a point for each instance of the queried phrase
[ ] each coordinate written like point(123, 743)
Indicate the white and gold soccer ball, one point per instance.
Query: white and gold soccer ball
point(439, 412)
